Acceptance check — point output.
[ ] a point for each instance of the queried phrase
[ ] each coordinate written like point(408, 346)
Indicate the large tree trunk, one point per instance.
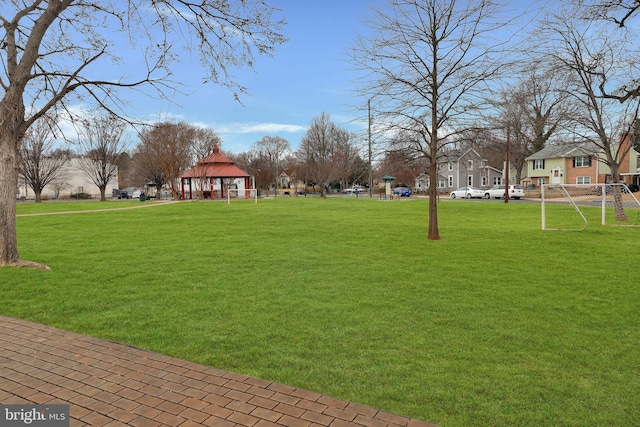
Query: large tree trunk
point(618, 203)
point(8, 186)
point(434, 233)
point(11, 133)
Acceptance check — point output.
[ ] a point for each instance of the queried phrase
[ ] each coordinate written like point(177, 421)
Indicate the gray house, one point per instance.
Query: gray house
point(462, 169)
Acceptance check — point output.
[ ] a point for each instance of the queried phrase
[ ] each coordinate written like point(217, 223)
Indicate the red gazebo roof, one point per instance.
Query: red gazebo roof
point(215, 165)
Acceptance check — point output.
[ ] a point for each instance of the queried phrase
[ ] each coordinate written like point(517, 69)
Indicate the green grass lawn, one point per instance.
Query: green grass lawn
point(499, 323)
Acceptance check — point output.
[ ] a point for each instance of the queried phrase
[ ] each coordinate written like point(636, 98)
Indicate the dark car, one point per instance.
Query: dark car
point(402, 191)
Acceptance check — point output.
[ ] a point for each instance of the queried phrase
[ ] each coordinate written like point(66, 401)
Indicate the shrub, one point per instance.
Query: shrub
point(81, 196)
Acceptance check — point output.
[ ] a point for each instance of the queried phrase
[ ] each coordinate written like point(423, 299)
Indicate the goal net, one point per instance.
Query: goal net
point(248, 194)
point(573, 206)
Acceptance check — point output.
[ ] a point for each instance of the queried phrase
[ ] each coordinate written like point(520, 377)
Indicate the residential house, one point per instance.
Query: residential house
point(577, 163)
point(462, 169)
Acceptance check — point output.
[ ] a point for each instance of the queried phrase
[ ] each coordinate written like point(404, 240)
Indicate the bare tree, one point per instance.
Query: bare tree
point(346, 155)
point(620, 12)
point(53, 53)
point(543, 103)
point(102, 144)
point(274, 150)
point(251, 162)
point(426, 64)
point(38, 166)
point(168, 148)
point(318, 150)
point(531, 111)
point(401, 163)
point(147, 171)
point(596, 59)
point(59, 183)
point(616, 11)
point(204, 140)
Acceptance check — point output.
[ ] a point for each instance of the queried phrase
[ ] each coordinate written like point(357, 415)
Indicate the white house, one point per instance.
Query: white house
point(461, 169)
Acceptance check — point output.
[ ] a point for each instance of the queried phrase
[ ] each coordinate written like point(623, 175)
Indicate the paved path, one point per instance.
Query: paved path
point(111, 384)
point(126, 208)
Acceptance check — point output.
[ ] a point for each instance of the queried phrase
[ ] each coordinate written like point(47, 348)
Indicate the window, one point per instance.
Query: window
point(484, 181)
point(583, 180)
point(450, 181)
point(541, 181)
point(538, 164)
point(470, 180)
point(450, 166)
point(581, 162)
point(470, 164)
point(442, 183)
point(497, 180)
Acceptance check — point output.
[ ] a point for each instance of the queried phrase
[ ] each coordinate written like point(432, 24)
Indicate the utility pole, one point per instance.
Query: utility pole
point(506, 167)
point(370, 170)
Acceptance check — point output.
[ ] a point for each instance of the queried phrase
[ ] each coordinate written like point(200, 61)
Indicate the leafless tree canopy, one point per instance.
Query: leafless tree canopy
point(621, 13)
point(616, 11)
point(273, 150)
point(51, 50)
point(426, 64)
point(324, 150)
point(102, 144)
point(169, 146)
point(534, 108)
point(204, 140)
point(597, 59)
point(347, 156)
point(39, 166)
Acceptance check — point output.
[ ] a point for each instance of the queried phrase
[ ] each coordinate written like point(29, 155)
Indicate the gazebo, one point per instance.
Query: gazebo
point(211, 172)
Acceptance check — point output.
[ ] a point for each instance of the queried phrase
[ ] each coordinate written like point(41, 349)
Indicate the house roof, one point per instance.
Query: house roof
point(215, 171)
point(455, 155)
point(565, 150)
point(215, 165)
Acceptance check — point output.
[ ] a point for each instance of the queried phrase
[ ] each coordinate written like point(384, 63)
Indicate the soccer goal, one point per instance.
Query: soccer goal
point(568, 206)
point(248, 194)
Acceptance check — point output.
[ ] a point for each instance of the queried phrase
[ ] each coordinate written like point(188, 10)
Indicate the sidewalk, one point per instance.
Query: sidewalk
point(111, 384)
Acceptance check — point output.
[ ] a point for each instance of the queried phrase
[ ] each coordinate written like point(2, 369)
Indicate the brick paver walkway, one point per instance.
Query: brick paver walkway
point(111, 384)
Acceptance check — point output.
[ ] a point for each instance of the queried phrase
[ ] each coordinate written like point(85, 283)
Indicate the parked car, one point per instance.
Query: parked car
point(354, 189)
point(402, 191)
point(467, 193)
point(120, 194)
point(497, 192)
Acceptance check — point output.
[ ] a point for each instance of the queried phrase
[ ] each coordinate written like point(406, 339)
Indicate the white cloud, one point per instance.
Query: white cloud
point(265, 128)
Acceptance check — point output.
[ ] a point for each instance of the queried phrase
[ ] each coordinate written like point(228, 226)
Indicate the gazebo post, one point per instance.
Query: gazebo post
point(182, 187)
point(212, 187)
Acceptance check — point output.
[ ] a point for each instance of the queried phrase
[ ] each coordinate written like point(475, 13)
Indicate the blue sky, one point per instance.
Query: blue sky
point(306, 76)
